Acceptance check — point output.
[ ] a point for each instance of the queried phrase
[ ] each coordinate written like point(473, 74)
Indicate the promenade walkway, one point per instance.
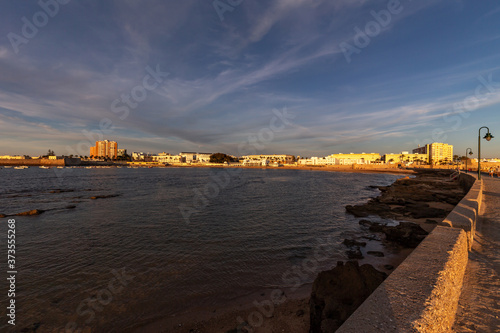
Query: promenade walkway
point(479, 305)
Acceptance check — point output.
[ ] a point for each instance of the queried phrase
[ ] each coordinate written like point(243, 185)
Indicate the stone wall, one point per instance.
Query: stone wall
point(466, 213)
point(32, 162)
point(422, 294)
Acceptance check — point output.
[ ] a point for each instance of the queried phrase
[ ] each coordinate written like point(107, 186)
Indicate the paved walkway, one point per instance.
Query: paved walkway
point(479, 305)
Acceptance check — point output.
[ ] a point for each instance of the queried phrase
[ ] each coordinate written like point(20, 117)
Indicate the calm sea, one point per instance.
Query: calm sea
point(170, 240)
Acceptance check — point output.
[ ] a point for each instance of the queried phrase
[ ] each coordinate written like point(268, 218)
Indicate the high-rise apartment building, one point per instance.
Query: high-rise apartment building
point(436, 152)
point(104, 148)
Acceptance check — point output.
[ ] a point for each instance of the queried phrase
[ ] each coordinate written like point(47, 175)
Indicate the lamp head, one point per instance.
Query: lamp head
point(470, 153)
point(488, 136)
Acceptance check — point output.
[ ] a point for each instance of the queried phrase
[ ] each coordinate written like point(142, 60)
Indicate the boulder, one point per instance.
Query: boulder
point(31, 212)
point(354, 253)
point(407, 234)
point(104, 196)
point(353, 242)
point(376, 253)
point(338, 292)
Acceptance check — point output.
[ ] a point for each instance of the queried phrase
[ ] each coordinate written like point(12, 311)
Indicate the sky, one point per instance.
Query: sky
point(300, 77)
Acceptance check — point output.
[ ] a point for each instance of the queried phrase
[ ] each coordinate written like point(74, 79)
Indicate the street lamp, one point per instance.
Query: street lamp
point(488, 137)
point(467, 159)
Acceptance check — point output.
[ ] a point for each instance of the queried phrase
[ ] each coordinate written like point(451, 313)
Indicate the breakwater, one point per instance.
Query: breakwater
point(422, 294)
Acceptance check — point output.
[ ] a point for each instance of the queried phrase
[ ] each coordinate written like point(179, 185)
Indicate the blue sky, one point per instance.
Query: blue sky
point(425, 71)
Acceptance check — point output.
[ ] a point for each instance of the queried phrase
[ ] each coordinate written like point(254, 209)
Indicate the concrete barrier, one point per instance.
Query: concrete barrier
point(466, 213)
point(422, 294)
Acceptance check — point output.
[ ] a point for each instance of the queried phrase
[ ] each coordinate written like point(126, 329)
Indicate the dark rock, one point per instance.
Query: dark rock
point(407, 234)
point(353, 242)
point(365, 223)
point(419, 213)
point(31, 212)
point(104, 196)
point(337, 293)
point(376, 227)
point(389, 267)
point(60, 191)
point(354, 253)
point(70, 207)
point(428, 221)
point(376, 253)
point(356, 211)
point(299, 313)
point(371, 237)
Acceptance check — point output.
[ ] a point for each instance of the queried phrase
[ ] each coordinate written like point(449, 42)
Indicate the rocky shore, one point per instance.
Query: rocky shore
point(390, 226)
point(420, 203)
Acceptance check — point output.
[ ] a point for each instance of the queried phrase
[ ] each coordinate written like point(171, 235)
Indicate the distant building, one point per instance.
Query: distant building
point(105, 148)
point(140, 156)
point(10, 157)
point(189, 157)
point(353, 158)
point(203, 157)
point(436, 152)
point(405, 157)
point(287, 159)
point(167, 158)
point(318, 161)
point(121, 152)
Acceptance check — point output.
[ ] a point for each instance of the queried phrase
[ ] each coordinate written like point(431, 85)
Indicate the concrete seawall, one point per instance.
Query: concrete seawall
point(422, 294)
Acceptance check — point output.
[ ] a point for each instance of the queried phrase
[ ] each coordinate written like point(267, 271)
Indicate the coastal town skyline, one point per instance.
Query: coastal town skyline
point(195, 77)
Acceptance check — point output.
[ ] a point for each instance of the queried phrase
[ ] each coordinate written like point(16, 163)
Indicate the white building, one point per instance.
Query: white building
point(318, 161)
point(139, 156)
point(167, 158)
point(203, 157)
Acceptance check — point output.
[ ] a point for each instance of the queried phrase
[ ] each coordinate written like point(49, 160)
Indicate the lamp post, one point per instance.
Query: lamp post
point(488, 137)
point(467, 159)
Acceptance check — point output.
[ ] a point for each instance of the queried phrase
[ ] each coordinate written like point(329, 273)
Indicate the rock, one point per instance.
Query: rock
point(422, 212)
point(371, 208)
point(372, 226)
point(428, 221)
point(354, 253)
point(407, 234)
point(389, 267)
point(104, 196)
point(353, 242)
point(376, 253)
point(60, 191)
point(376, 227)
point(337, 293)
point(372, 238)
point(356, 211)
point(70, 206)
point(31, 212)
point(365, 222)
point(299, 313)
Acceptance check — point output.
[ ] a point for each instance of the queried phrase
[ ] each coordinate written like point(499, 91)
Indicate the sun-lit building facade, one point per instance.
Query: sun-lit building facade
point(436, 152)
point(104, 149)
